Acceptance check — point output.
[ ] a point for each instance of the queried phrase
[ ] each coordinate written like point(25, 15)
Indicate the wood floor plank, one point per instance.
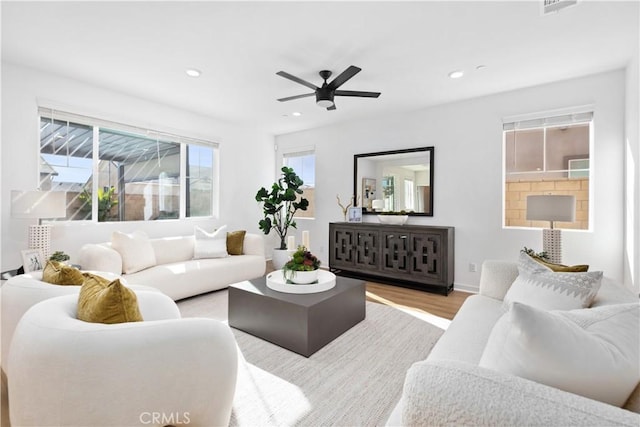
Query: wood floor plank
point(436, 304)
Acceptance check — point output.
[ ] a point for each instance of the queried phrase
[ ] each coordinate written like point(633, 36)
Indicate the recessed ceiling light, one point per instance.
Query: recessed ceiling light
point(296, 113)
point(456, 74)
point(192, 72)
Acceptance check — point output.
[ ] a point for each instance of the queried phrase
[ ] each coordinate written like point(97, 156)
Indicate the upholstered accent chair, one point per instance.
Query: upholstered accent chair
point(164, 370)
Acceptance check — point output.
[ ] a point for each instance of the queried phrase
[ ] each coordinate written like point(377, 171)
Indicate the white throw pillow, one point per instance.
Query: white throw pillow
point(591, 352)
point(135, 249)
point(210, 245)
point(539, 286)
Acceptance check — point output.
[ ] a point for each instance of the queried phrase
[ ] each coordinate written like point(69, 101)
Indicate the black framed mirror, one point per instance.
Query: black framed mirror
point(397, 180)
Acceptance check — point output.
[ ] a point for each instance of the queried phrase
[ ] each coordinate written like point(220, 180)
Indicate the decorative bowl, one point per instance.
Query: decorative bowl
point(303, 277)
point(393, 219)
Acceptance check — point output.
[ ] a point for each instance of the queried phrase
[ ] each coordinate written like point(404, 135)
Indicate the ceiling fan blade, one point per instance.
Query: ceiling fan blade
point(344, 76)
point(297, 80)
point(333, 107)
point(357, 93)
point(290, 98)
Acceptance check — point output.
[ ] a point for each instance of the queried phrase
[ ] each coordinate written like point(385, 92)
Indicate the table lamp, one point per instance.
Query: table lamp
point(40, 205)
point(551, 208)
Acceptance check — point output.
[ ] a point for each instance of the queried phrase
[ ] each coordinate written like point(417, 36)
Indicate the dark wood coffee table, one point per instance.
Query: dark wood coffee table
point(303, 323)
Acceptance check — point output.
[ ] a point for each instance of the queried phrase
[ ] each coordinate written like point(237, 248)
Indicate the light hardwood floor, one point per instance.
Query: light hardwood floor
point(425, 302)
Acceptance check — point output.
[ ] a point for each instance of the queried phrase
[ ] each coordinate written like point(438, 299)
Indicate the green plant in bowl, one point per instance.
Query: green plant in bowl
point(302, 260)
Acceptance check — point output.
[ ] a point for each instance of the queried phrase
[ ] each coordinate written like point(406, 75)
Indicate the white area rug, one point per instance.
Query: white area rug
point(356, 380)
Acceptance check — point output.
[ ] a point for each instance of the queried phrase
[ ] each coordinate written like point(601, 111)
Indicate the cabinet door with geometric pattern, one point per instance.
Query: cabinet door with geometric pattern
point(367, 249)
point(395, 251)
point(427, 255)
point(341, 246)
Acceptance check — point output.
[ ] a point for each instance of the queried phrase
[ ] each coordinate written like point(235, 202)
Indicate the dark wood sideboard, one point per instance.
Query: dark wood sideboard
point(415, 256)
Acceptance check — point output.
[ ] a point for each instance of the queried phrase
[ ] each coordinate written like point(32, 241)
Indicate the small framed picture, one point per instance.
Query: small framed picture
point(355, 214)
point(32, 260)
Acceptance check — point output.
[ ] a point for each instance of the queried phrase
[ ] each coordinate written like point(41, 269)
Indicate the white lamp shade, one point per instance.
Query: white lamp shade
point(551, 208)
point(38, 204)
point(377, 204)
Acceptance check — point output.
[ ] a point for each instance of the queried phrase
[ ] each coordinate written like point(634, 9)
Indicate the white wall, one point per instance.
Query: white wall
point(632, 174)
point(242, 157)
point(468, 183)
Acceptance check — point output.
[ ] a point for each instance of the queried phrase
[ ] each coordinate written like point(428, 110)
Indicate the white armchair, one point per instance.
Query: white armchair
point(22, 292)
point(164, 370)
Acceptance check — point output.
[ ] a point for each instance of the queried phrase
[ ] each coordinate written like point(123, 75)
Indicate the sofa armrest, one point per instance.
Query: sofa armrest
point(100, 258)
point(253, 244)
point(496, 277)
point(449, 392)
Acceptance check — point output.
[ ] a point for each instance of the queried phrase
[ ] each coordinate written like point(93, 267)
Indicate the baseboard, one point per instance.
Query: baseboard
point(465, 288)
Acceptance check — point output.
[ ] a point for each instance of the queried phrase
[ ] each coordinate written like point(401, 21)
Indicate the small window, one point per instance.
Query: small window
point(549, 155)
point(304, 165)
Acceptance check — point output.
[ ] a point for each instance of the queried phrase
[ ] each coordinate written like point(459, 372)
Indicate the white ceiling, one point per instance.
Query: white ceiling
point(405, 50)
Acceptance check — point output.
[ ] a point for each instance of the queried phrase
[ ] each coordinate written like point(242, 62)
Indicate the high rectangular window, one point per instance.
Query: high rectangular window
point(548, 155)
point(115, 172)
point(304, 165)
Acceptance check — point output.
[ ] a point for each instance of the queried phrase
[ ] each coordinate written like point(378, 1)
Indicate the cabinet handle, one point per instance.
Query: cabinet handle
point(403, 237)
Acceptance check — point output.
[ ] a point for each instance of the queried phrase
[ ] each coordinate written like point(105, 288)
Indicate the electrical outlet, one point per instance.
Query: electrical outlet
point(473, 267)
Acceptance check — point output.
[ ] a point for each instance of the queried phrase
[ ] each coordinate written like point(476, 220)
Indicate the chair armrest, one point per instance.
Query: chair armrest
point(186, 366)
point(100, 258)
point(496, 277)
point(449, 392)
point(253, 244)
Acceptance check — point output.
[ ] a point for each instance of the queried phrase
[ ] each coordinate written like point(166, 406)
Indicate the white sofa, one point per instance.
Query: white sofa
point(450, 388)
point(175, 272)
point(165, 370)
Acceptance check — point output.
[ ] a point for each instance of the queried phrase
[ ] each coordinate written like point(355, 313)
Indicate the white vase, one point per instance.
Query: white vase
point(280, 258)
point(302, 277)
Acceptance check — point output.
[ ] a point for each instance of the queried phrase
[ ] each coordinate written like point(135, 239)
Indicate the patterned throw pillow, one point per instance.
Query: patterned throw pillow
point(104, 301)
point(57, 273)
point(539, 286)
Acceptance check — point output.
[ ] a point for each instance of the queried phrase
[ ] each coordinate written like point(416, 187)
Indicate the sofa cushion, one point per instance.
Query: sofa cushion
point(58, 273)
point(210, 245)
point(135, 249)
point(235, 242)
point(539, 286)
point(173, 249)
point(104, 301)
point(590, 352)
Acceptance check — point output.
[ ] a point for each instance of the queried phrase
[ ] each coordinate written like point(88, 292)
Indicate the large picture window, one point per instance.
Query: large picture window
point(115, 172)
point(549, 155)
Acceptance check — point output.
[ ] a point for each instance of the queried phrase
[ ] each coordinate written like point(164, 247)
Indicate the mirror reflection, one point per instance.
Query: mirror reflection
point(398, 180)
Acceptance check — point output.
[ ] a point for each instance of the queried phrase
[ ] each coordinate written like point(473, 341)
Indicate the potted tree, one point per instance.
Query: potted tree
point(279, 206)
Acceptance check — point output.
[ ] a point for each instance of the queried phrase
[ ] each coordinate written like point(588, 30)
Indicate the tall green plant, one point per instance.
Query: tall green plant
point(280, 204)
point(107, 199)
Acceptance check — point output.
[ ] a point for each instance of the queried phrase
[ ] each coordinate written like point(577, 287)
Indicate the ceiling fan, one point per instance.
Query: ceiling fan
point(325, 93)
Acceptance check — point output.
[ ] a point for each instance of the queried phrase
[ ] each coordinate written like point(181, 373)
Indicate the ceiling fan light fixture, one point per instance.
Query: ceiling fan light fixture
point(324, 98)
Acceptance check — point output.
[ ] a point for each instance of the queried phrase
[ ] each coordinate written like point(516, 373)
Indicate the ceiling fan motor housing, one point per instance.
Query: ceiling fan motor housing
point(324, 96)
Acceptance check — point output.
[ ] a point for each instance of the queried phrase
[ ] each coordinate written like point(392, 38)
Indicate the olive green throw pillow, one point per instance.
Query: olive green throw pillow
point(560, 268)
point(61, 274)
point(235, 242)
point(102, 301)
